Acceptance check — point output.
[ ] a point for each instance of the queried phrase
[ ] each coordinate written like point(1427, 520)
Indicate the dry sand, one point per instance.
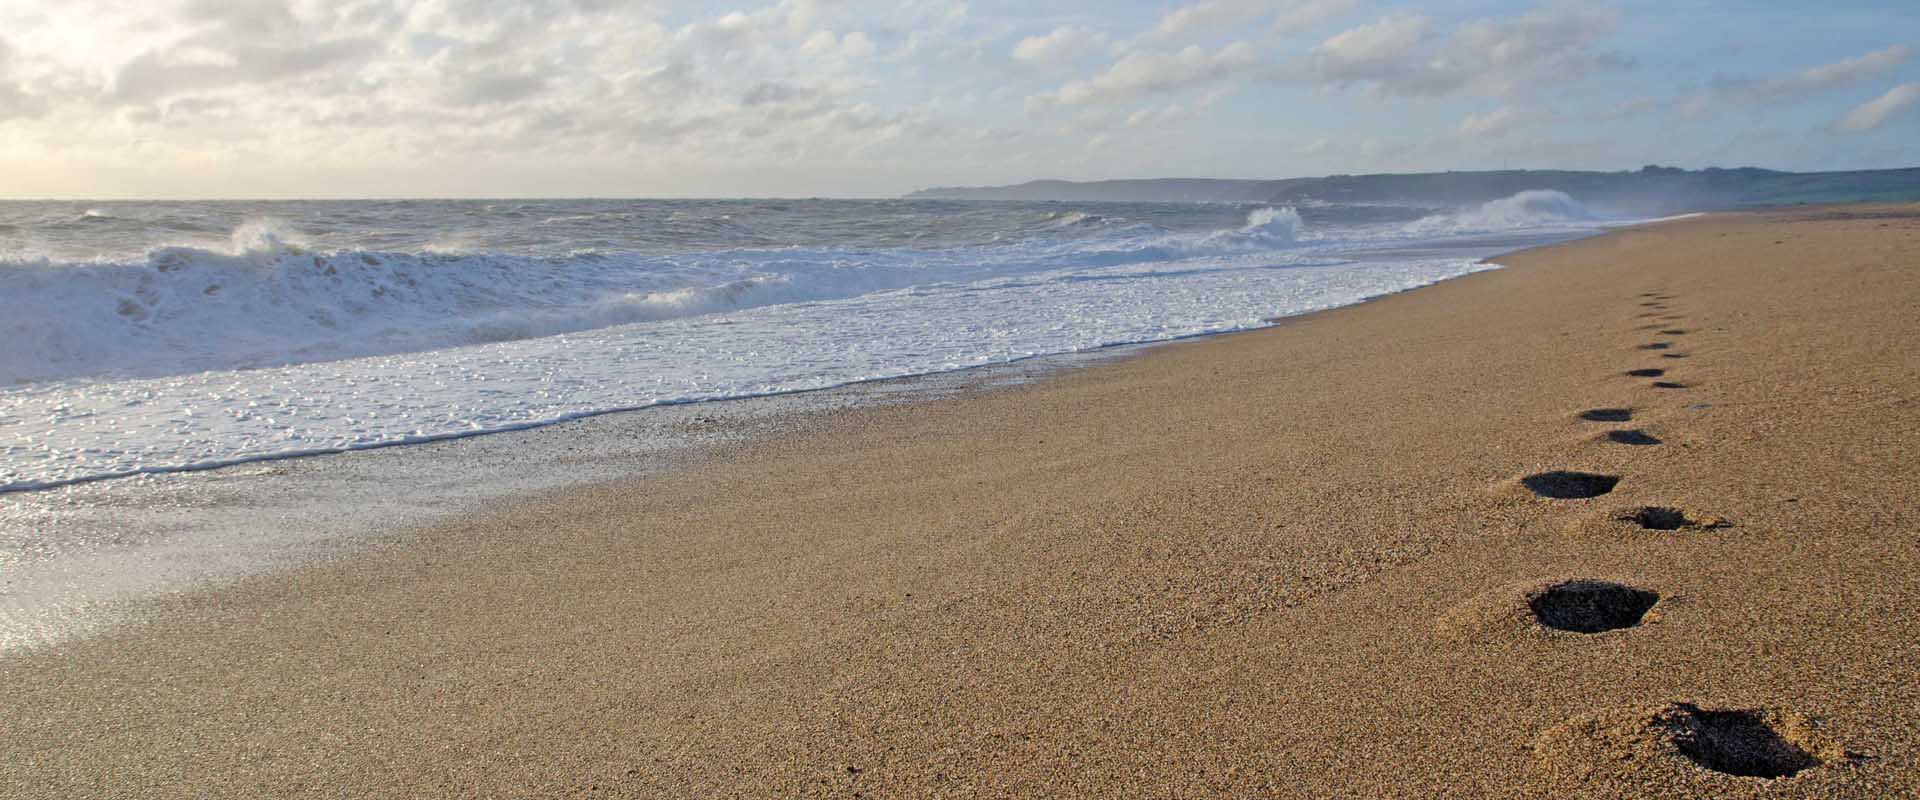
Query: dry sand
point(1299, 562)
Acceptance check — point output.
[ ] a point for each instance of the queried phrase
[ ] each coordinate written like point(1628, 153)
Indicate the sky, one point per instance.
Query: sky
point(631, 98)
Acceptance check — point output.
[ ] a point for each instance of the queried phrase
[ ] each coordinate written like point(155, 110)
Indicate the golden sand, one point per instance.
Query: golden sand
point(1309, 561)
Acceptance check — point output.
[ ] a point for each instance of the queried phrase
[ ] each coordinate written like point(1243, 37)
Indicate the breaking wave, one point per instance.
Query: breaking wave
point(268, 299)
point(1528, 209)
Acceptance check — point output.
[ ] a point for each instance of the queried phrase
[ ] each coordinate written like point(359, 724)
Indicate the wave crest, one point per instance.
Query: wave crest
point(1277, 225)
point(1529, 209)
point(266, 299)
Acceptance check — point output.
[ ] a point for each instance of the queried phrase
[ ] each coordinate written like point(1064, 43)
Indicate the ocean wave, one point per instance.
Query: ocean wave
point(268, 298)
point(1528, 209)
point(1272, 225)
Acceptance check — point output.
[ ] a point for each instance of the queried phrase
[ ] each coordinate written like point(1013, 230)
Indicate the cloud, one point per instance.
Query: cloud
point(1489, 124)
point(1399, 54)
point(1062, 44)
point(1145, 72)
point(1623, 109)
point(213, 62)
point(494, 87)
point(1376, 51)
point(1214, 15)
point(853, 46)
point(15, 102)
point(229, 96)
point(1852, 70)
point(479, 96)
point(1874, 113)
point(1826, 77)
point(1175, 113)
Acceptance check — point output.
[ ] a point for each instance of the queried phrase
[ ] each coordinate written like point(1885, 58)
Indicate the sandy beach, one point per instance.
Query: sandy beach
point(1635, 516)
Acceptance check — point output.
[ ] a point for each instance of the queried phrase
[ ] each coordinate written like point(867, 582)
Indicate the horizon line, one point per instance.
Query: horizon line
point(446, 197)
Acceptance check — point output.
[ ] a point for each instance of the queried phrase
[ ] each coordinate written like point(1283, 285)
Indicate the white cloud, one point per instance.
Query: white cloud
point(1488, 124)
point(1398, 54)
point(1175, 113)
point(1825, 77)
point(1624, 109)
point(251, 81)
point(575, 96)
point(1153, 116)
point(1062, 44)
point(1213, 15)
point(1852, 70)
point(1145, 72)
point(1874, 113)
point(853, 46)
point(1376, 51)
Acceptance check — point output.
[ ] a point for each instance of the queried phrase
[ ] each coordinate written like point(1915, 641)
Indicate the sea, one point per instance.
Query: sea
point(144, 337)
point(171, 373)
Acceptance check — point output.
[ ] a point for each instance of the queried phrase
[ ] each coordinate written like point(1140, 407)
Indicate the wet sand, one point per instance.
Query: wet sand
point(1318, 560)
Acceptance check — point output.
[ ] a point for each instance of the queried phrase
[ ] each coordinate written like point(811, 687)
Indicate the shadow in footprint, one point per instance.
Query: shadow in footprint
point(1631, 437)
point(1587, 606)
point(1656, 346)
point(1568, 485)
point(1673, 355)
point(1669, 385)
point(1606, 414)
point(1648, 372)
point(1735, 742)
point(1664, 518)
point(1673, 332)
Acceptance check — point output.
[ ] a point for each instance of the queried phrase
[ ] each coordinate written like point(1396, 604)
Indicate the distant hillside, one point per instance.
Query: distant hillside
point(1650, 190)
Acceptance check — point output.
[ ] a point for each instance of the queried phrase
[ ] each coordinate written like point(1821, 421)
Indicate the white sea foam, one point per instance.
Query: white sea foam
point(272, 344)
point(1529, 209)
point(268, 300)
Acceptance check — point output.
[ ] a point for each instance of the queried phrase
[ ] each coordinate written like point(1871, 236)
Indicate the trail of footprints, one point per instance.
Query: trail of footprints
point(1749, 743)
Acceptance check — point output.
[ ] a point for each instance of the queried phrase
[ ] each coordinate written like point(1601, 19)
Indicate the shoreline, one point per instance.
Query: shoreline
point(108, 580)
point(334, 504)
point(1294, 561)
point(1475, 249)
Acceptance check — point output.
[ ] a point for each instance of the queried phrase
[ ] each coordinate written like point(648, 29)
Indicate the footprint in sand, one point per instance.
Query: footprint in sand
point(1648, 372)
point(1673, 355)
point(1590, 606)
point(1683, 744)
point(1673, 332)
point(1666, 518)
point(1569, 485)
point(1670, 385)
point(1632, 437)
point(1606, 414)
point(1656, 346)
point(1563, 607)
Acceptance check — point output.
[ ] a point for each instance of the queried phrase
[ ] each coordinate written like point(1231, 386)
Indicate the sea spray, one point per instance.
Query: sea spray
point(1528, 209)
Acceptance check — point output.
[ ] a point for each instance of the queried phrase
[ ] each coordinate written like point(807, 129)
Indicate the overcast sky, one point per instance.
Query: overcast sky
point(328, 98)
